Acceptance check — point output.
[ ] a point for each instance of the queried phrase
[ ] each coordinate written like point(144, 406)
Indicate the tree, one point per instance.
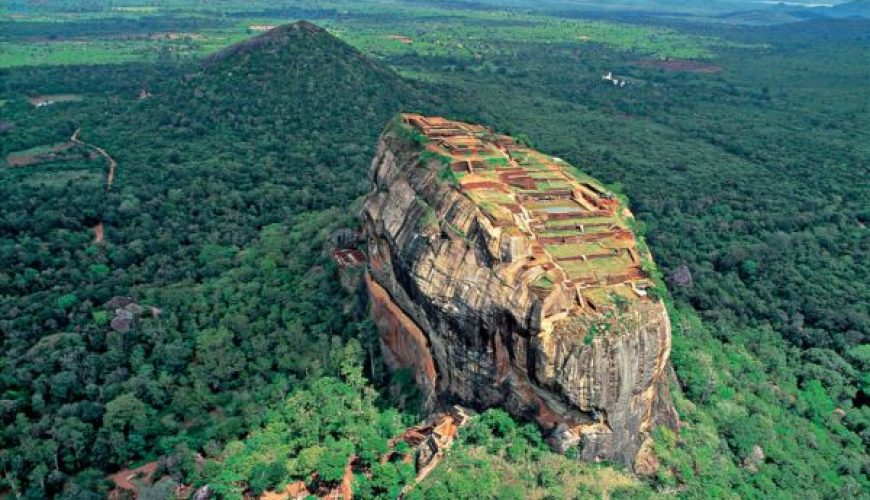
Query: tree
point(126, 425)
point(265, 476)
point(219, 357)
point(332, 464)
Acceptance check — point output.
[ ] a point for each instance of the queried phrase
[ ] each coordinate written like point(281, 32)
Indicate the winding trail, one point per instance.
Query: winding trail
point(102, 152)
point(98, 229)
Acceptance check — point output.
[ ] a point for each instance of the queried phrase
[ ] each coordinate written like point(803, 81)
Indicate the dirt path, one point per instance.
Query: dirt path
point(98, 233)
point(99, 230)
point(102, 152)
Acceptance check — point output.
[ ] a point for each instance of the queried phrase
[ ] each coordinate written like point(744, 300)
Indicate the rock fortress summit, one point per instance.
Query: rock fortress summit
point(502, 276)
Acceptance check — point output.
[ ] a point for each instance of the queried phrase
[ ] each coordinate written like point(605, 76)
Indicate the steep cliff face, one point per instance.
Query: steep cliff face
point(503, 277)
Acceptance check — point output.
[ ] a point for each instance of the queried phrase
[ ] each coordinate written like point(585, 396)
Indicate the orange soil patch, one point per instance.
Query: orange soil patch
point(349, 258)
point(471, 178)
point(292, 491)
point(124, 479)
point(98, 233)
point(446, 429)
point(346, 488)
point(299, 489)
point(679, 65)
point(483, 186)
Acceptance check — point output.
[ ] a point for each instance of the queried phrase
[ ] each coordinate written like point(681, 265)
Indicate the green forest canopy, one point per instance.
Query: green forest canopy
point(232, 178)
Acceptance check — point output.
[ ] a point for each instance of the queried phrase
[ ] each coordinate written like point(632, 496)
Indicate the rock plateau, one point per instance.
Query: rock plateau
point(505, 277)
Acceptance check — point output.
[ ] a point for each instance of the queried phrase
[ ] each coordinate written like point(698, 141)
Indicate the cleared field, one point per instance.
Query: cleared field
point(608, 294)
point(576, 249)
point(71, 52)
point(573, 223)
point(138, 9)
point(490, 197)
point(43, 154)
point(543, 176)
point(572, 231)
point(599, 268)
point(59, 178)
point(554, 206)
point(548, 184)
point(48, 99)
point(475, 34)
point(679, 65)
point(57, 174)
point(116, 51)
point(146, 33)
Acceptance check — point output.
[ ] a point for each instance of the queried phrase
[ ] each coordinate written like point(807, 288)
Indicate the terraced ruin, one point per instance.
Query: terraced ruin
point(562, 222)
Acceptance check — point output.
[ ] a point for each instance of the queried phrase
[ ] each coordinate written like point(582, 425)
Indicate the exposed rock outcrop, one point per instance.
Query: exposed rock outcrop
point(755, 458)
point(503, 277)
point(681, 276)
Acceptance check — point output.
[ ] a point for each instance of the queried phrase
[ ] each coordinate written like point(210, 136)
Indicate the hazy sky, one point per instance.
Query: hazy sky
point(660, 4)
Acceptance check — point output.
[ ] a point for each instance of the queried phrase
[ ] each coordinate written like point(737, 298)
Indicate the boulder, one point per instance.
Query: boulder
point(754, 459)
point(681, 276)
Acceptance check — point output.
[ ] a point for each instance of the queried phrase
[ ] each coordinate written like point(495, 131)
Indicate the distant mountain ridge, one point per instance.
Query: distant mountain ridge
point(860, 8)
point(738, 11)
point(787, 12)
